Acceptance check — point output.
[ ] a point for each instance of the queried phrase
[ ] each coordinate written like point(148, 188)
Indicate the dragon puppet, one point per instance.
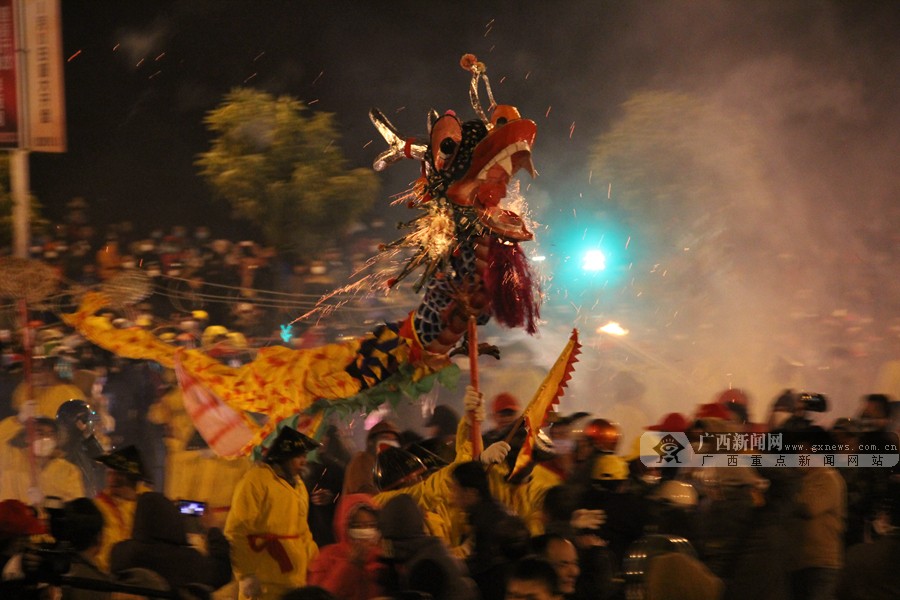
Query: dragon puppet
point(472, 269)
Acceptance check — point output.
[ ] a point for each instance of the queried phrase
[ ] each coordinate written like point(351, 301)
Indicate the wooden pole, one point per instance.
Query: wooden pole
point(475, 426)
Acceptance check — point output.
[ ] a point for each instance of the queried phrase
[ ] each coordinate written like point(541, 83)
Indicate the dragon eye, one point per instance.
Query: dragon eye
point(501, 121)
point(448, 145)
point(446, 134)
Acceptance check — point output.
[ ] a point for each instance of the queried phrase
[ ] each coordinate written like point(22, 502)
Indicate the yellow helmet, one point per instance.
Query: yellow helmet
point(237, 340)
point(610, 467)
point(213, 334)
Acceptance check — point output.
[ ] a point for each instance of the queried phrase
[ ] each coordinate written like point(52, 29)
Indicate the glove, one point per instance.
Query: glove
point(35, 496)
point(495, 453)
point(13, 569)
point(250, 587)
point(587, 519)
point(474, 403)
point(28, 410)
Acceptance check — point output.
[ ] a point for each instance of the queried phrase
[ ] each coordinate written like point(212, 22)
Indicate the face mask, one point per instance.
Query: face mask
point(363, 533)
point(63, 370)
point(44, 447)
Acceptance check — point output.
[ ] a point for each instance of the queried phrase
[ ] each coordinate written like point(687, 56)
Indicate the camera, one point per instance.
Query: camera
point(812, 402)
point(192, 508)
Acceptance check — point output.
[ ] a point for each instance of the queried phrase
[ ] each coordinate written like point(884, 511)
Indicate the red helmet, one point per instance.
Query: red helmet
point(604, 435)
point(732, 396)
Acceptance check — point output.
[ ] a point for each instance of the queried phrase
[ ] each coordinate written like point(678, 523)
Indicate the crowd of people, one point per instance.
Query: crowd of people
point(107, 489)
point(238, 283)
point(91, 506)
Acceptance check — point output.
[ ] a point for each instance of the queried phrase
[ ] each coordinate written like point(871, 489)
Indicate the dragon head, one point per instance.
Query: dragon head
point(469, 164)
point(466, 241)
point(472, 165)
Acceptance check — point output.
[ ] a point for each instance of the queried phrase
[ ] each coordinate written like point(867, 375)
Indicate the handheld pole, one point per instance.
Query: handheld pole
point(475, 426)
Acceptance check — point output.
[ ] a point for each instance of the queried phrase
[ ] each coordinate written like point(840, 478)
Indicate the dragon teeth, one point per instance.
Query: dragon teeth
point(504, 159)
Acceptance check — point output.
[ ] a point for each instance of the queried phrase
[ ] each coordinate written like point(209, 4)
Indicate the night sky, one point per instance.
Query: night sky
point(146, 73)
point(818, 81)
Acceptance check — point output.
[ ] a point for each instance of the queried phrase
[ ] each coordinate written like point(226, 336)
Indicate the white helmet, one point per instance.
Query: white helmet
point(675, 493)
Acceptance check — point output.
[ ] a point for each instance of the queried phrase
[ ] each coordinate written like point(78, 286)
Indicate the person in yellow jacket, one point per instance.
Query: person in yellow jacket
point(271, 544)
point(42, 398)
point(126, 479)
point(442, 519)
point(48, 473)
point(447, 522)
point(193, 470)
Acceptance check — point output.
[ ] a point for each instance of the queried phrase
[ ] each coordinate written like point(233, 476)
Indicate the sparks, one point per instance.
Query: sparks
point(71, 58)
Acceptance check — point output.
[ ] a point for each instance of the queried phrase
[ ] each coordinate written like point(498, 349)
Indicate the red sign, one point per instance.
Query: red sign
point(9, 113)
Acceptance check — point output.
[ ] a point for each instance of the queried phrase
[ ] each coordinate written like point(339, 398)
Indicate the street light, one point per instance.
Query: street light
point(613, 328)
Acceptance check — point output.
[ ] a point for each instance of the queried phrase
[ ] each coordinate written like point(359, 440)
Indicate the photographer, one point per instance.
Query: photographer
point(159, 543)
point(82, 527)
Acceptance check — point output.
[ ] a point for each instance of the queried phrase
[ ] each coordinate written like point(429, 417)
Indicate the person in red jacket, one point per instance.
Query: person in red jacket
point(349, 568)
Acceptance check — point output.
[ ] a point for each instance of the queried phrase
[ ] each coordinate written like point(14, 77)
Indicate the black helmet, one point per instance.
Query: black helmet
point(125, 460)
point(396, 467)
point(290, 443)
point(75, 420)
point(431, 460)
point(72, 411)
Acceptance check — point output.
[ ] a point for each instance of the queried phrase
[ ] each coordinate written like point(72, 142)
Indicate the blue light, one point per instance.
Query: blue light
point(593, 260)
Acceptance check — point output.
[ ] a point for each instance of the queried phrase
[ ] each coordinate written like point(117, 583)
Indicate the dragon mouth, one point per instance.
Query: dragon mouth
point(496, 159)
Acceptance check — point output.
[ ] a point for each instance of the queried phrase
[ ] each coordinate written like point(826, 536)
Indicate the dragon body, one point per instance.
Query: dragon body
point(463, 242)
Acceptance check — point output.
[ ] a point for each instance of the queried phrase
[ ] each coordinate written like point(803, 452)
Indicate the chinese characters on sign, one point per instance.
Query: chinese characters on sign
point(739, 449)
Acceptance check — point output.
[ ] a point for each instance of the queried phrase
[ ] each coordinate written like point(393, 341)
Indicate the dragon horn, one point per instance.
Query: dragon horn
point(469, 62)
point(398, 148)
point(432, 119)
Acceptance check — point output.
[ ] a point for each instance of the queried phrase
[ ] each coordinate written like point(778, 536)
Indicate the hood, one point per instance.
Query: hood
point(400, 518)
point(346, 508)
point(156, 519)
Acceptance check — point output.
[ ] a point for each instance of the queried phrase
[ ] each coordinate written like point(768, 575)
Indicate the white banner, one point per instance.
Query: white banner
point(44, 76)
